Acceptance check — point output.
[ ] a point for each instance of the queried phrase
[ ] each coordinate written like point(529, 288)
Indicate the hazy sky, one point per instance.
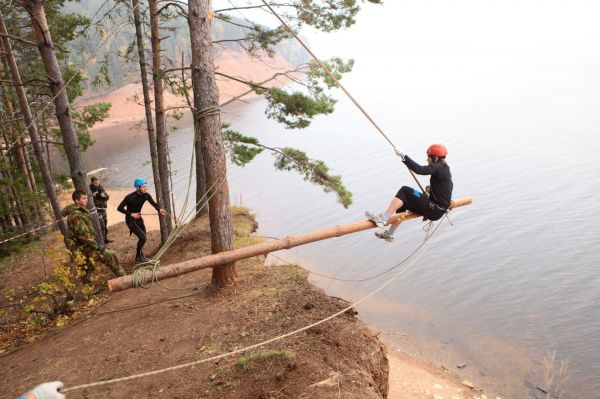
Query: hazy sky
point(477, 24)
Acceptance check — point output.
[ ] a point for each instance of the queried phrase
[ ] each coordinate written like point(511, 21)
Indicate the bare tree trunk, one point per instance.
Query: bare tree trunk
point(206, 95)
point(159, 112)
point(10, 109)
point(164, 228)
point(61, 103)
point(16, 205)
point(201, 186)
point(33, 132)
point(30, 174)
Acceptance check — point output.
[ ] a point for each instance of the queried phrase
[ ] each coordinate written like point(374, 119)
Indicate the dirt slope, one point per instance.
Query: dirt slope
point(265, 302)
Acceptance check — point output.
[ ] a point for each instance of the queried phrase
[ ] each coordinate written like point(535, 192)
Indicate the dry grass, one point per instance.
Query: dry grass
point(556, 376)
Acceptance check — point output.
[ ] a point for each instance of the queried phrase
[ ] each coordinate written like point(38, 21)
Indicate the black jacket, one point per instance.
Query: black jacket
point(440, 183)
point(99, 201)
point(133, 202)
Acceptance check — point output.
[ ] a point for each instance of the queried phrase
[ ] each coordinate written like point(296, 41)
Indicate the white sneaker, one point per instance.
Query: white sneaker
point(376, 218)
point(385, 235)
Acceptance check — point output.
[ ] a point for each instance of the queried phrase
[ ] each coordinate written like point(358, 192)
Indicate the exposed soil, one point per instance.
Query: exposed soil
point(117, 338)
point(127, 100)
point(140, 330)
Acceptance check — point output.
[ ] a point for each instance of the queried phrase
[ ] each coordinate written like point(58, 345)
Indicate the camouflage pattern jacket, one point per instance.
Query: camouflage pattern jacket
point(81, 232)
point(99, 201)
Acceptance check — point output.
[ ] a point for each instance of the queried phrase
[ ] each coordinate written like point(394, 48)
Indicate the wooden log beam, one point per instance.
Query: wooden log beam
point(176, 269)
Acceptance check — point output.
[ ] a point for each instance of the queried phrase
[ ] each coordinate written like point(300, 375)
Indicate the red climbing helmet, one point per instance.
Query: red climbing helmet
point(438, 150)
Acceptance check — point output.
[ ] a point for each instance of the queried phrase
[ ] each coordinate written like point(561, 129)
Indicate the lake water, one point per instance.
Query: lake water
point(518, 274)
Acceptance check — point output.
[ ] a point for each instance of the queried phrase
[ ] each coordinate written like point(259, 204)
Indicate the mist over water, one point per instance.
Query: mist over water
point(513, 90)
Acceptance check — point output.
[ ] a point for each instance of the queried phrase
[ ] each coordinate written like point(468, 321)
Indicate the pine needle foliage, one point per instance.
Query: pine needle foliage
point(295, 110)
point(243, 149)
point(315, 171)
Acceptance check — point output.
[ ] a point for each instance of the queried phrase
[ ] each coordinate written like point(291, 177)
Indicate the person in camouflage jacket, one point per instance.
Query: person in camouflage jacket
point(82, 237)
point(100, 197)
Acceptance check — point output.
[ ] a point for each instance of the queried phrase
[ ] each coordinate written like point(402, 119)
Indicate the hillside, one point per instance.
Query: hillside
point(113, 42)
point(142, 330)
point(127, 100)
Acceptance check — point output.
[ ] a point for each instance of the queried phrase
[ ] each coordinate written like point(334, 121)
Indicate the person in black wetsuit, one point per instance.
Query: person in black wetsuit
point(432, 205)
point(131, 206)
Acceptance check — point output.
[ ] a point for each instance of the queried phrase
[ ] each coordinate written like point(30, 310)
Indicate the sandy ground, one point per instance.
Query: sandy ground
point(412, 378)
point(127, 101)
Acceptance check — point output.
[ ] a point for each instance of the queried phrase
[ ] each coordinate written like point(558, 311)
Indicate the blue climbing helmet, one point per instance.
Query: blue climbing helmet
point(139, 182)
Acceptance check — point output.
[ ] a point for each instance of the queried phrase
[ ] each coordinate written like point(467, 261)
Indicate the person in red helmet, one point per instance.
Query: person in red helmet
point(432, 205)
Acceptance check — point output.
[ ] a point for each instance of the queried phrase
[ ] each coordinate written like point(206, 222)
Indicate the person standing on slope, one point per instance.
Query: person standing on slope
point(131, 206)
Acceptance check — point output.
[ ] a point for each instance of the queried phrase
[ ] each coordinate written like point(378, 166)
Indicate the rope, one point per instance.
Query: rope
point(241, 350)
point(140, 270)
point(332, 76)
point(28, 232)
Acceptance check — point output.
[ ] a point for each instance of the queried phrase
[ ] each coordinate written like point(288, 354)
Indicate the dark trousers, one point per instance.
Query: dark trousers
point(137, 227)
point(415, 201)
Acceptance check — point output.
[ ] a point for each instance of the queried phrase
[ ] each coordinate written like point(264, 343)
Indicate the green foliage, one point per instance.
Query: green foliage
point(326, 15)
point(73, 75)
point(62, 179)
point(318, 77)
point(56, 296)
point(103, 76)
point(314, 171)
point(237, 145)
point(265, 39)
point(85, 118)
point(295, 110)
point(18, 206)
point(242, 149)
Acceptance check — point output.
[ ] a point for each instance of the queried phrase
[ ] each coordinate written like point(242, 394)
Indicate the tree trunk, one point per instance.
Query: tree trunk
point(15, 204)
point(139, 35)
point(159, 112)
point(206, 94)
point(33, 132)
point(61, 103)
point(201, 186)
point(10, 109)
